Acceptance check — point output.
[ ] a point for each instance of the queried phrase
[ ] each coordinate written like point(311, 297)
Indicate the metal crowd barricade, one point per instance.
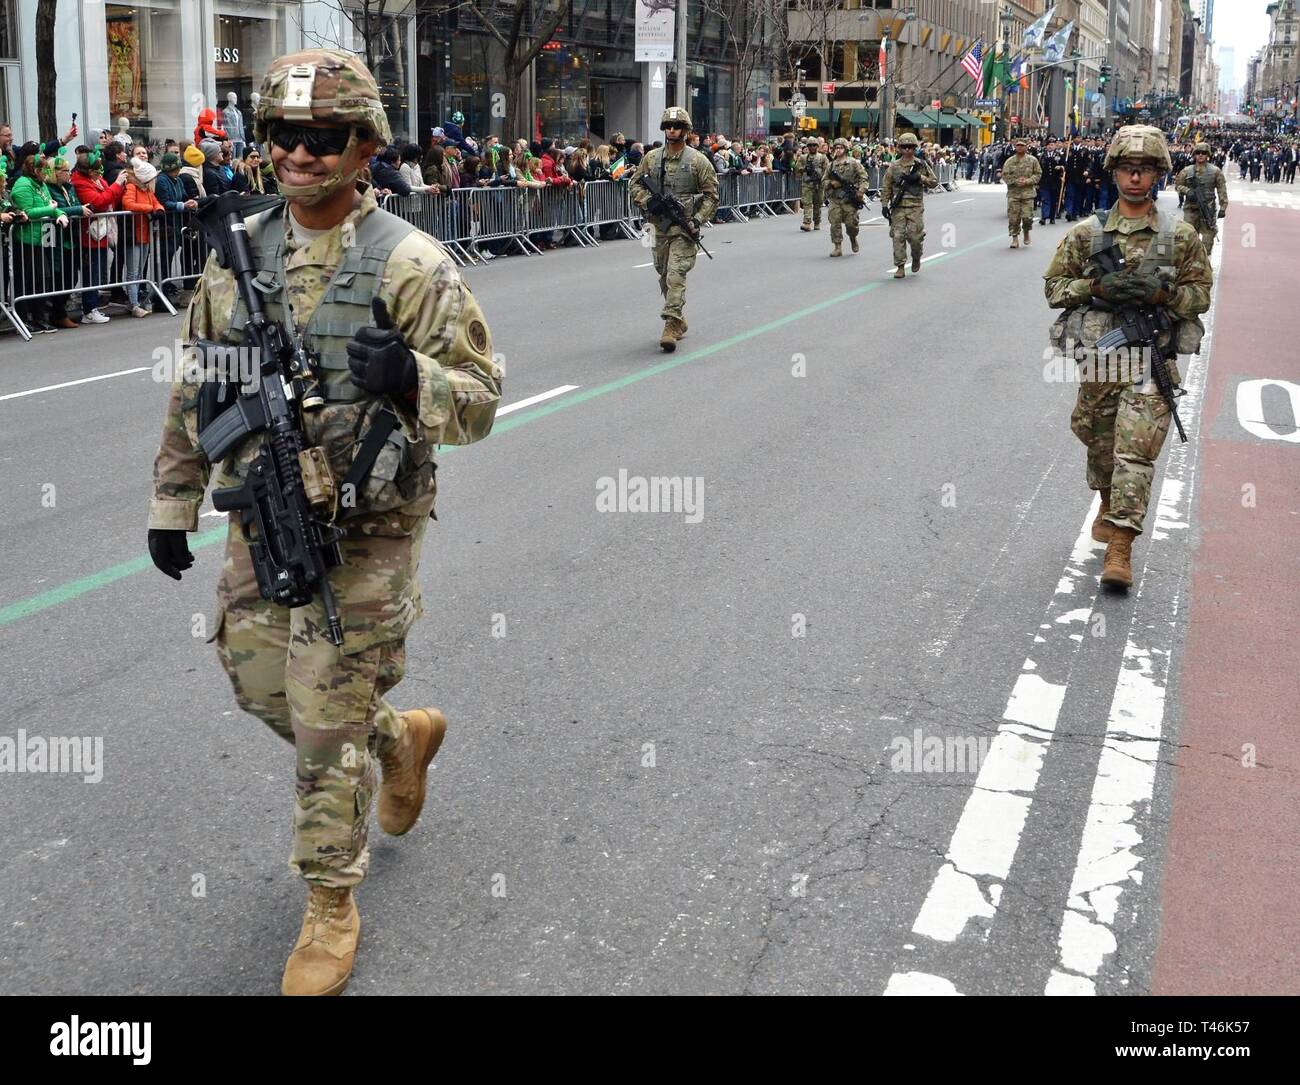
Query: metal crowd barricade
point(609, 203)
point(875, 179)
point(52, 269)
point(947, 175)
point(445, 217)
point(179, 250)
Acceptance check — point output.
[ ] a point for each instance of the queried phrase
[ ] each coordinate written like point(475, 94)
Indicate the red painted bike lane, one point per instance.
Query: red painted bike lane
point(1230, 897)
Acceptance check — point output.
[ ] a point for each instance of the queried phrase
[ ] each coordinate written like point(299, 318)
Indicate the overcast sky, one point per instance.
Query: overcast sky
point(1242, 24)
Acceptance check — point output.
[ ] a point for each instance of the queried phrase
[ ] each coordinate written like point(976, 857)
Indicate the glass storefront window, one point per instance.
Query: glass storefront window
point(563, 92)
point(8, 33)
point(392, 73)
point(143, 42)
point(244, 42)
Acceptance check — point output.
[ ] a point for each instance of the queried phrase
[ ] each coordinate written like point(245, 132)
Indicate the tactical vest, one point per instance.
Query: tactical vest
point(345, 307)
point(361, 439)
point(1076, 331)
point(1205, 185)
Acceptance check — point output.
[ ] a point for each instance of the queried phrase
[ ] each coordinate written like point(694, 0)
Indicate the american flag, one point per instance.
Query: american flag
point(972, 63)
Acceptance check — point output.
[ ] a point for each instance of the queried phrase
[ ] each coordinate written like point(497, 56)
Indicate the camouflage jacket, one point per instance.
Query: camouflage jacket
point(820, 164)
point(459, 384)
point(689, 176)
point(894, 177)
point(1068, 285)
point(1209, 176)
point(1022, 176)
point(850, 172)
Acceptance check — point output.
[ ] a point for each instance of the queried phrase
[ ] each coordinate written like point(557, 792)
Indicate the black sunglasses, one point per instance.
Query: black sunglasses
point(318, 141)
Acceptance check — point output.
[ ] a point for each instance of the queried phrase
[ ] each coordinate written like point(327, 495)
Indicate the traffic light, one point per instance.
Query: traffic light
point(1105, 74)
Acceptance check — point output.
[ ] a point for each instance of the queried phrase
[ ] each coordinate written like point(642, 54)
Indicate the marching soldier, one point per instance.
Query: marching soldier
point(847, 180)
point(900, 195)
point(1206, 180)
point(675, 170)
point(1022, 173)
point(1123, 423)
point(812, 166)
point(382, 400)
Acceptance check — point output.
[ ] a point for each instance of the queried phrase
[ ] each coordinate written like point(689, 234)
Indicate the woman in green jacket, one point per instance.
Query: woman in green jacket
point(31, 262)
point(63, 267)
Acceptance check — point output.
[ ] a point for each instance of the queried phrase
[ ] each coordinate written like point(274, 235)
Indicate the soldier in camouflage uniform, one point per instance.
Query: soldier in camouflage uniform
point(1124, 422)
point(428, 379)
point(812, 166)
point(847, 180)
point(900, 195)
point(1022, 172)
point(1206, 179)
point(681, 171)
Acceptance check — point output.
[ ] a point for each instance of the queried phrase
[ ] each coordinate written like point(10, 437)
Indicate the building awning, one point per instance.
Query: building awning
point(780, 115)
point(968, 119)
point(916, 120)
point(930, 118)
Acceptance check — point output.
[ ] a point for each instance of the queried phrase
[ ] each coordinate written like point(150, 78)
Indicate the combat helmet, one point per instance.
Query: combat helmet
point(322, 85)
point(1201, 148)
point(840, 142)
point(1142, 141)
point(674, 114)
point(908, 139)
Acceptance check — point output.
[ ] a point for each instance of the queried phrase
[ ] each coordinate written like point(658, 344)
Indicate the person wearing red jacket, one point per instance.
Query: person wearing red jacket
point(206, 127)
point(97, 194)
point(139, 197)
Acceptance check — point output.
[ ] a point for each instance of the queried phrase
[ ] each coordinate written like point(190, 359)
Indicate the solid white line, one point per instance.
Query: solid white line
point(1109, 862)
point(968, 199)
point(69, 384)
point(651, 264)
point(541, 396)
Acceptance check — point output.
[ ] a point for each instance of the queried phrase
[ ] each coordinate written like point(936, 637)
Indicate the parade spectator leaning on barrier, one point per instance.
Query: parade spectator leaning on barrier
point(214, 180)
point(31, 262)
point(64, 256)
point(138, 197)
point(96, 193)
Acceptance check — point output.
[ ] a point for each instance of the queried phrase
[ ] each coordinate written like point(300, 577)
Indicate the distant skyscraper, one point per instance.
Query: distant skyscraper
point(1204, 10)
point(1227, 68)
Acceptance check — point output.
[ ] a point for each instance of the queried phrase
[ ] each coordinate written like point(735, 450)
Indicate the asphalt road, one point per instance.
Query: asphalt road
point(677, 771)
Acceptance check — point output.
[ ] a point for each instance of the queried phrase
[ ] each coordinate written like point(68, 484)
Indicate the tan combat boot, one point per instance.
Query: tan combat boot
point(835, 249)
point(406, 769)
point(806, 227)
point(1118, 569)
point(916, 262)
point(899, 273)
point(681, 328)
point(668, 340)
point(1026, 238)
point(1101, 528)
point(818, 226)
point(1015, 241)
point(321, 961)
point(853, 240)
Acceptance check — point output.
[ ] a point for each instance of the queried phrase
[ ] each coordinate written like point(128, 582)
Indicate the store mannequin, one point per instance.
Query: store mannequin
point(234, 124)
point(123, 135)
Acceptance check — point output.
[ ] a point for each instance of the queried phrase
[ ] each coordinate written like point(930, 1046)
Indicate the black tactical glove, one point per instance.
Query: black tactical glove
point(656, 204)
point(170, 551)
point(1223, 212)
point(380, 360)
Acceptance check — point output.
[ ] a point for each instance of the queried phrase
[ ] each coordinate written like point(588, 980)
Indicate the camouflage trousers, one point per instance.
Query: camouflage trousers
point(674, 258)
point(1207, 231)
point(907, 227)
point(1124, 431)
point(1020, 214)
point(812, 197)
point(326, 701)
point(843, 216)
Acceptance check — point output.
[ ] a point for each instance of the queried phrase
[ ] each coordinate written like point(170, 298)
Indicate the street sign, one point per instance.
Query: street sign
point(987, 103)
point(657, 77)
point(1015, 120)
point(829, 88)
point(936, 103)
point(798, 106)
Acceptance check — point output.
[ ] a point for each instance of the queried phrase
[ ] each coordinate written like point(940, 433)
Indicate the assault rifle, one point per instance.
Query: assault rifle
point(851, 191)
point(911, 183)
point(1202, 204)
point(1141, 327)
point(291, 548)
point(665, 204)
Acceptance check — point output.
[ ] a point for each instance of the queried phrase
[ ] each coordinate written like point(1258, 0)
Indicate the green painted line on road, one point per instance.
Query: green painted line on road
point(73, 589)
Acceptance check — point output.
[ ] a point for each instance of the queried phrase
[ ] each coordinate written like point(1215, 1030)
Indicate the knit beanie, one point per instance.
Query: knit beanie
point(193, 156)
